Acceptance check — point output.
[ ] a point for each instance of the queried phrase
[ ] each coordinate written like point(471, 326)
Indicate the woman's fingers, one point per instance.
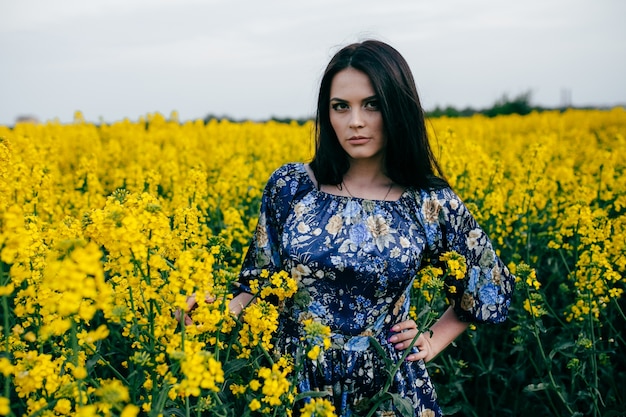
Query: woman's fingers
point(405, 332)
point(191, 302)
point(403, 339)
point(191, 305)
point(186, 318)
point(422, 348)
point(404, 325)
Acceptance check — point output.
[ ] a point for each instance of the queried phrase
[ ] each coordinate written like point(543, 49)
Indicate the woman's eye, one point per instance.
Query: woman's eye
point(339, 106)
point(372, 105)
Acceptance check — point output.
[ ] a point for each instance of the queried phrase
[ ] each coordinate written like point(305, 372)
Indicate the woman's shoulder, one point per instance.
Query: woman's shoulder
point(289, 172)
point(443, 195)
point(290, 177)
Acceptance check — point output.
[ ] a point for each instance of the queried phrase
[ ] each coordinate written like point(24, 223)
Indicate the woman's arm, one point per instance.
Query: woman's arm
point(430, 344)
point(239, 302)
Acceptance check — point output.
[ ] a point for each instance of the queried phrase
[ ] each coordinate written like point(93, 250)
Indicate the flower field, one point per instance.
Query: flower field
point(106, 229)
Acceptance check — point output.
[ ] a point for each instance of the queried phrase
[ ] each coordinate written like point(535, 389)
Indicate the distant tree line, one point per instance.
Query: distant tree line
point(286, 120)
point(520, 104)
point(504, 106)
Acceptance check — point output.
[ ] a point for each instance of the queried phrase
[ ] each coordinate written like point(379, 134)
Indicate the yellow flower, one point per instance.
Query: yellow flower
point(456, 265)
point(102, 332)
point(260, 321)
point(79, 372)
point(254, 405)
point(318, 407)
point(34, 372)
point(130, 411)
point(314, 353)
point(63, 406)
point(317, 338)
point(237, 389)
point(164, 208)
point(6, 290)
point(534, 305)
point(275, 384)
point(6, 367)
point(201, 371)
point(279, 284)
point(87, 411)
point(5, 406)
point(113, 392)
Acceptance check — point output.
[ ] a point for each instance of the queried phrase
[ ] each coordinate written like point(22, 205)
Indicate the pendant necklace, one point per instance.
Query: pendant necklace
point(350, 194)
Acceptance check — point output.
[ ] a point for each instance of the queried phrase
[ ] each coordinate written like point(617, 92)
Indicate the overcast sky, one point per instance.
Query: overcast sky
point(256, 59)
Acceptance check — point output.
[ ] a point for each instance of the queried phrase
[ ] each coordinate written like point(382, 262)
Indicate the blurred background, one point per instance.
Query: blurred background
point(245, 59)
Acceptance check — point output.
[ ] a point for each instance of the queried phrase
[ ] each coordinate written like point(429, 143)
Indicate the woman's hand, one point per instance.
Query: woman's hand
point(431, 343)
point(405, 333)
point(239, 303)
point(191, 305)
point(235, 306)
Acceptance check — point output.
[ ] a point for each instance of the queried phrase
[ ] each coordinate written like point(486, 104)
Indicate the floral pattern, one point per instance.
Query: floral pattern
point(355, 261)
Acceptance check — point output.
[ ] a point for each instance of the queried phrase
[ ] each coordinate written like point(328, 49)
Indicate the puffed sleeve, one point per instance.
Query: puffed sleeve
point(265, 250)
point(484, 294)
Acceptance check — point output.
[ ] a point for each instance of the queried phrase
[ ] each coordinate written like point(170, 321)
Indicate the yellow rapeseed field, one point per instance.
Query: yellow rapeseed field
point(106, 229)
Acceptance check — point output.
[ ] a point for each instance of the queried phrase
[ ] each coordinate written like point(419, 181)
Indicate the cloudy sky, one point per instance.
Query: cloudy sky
point(256, 59)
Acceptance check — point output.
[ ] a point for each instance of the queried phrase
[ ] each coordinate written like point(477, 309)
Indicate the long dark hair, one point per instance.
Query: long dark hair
point(409, 160)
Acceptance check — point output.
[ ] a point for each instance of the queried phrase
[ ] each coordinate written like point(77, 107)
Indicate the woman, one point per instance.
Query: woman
point(355, 225)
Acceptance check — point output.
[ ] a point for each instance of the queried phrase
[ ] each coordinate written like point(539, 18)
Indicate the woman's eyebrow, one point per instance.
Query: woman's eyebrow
point(374, 97)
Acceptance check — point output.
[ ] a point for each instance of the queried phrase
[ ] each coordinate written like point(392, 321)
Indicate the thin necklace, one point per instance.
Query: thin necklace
point(383, 199)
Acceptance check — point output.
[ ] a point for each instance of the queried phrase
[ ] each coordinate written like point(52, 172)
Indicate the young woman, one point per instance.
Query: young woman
point(356, 224)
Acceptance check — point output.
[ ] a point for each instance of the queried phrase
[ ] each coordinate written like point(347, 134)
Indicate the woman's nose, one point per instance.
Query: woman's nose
point(356, 119)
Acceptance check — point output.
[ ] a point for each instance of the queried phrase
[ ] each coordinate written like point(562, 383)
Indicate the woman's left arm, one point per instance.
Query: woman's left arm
point(431, 343)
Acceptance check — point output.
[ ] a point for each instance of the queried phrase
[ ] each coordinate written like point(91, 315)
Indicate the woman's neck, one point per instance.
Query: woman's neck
point(365, 174)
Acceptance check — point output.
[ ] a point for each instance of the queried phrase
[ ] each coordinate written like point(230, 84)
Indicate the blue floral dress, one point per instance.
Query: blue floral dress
point(355, 261)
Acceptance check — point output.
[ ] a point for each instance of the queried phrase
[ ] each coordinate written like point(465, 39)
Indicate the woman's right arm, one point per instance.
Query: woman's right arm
point(264, 250)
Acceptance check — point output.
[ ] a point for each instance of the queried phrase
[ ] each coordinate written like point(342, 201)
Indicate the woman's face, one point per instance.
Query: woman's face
point(355, 115)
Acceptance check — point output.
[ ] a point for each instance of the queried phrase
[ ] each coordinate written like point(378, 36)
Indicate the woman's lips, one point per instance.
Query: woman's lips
point(358, 140)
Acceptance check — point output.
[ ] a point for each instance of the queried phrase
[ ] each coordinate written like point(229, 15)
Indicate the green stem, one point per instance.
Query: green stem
point(74, 358)
point(550, 400)
point(565, 264)
point(594, 359)
point(131, 298)
point(448, 364)
point(483, 367)
point(382, 393)
point(619, 308)
point(266, 354)
point(108, 364)
point(547, 362)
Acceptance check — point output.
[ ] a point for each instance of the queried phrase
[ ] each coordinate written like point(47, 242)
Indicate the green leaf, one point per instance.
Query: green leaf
point(388, 363)
point(561, 347)
point(234, 366)
point(311, 394)
point(404, 406)
point(537, 387)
